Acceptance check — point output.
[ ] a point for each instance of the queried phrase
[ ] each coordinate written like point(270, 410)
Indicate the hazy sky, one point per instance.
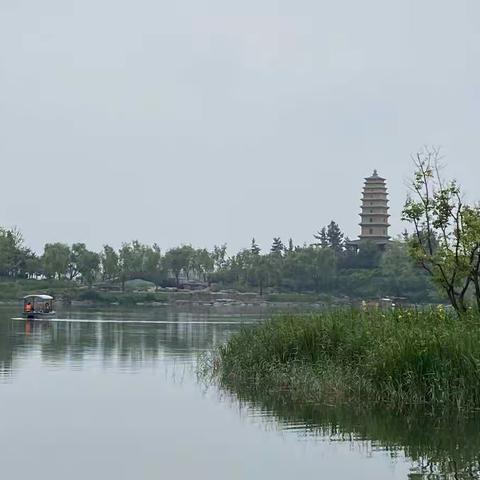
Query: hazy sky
point(212, 121)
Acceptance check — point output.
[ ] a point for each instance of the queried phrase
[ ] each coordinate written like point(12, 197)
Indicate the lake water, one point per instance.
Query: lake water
point(115, 395)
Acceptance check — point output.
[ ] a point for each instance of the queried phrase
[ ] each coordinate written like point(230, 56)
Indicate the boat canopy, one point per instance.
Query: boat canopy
point(39, 297)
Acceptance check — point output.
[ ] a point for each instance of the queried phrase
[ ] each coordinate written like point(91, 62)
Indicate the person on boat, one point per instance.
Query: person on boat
point(46, 307)
point(28, 307)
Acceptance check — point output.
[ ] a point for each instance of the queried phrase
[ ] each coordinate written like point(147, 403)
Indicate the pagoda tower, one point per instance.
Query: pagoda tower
point(374, 214)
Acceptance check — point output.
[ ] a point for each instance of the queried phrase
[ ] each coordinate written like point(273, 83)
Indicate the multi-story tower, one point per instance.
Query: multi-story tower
point(374, 215)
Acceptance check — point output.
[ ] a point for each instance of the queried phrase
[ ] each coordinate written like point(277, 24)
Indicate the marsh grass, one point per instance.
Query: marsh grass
point(399, 359)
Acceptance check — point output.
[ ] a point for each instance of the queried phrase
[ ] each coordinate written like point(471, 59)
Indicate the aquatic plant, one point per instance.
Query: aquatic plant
point(399, 359)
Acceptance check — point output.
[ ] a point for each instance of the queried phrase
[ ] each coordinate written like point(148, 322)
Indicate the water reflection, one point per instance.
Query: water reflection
point(35, 358)
point(92, 336)
point(441, 447)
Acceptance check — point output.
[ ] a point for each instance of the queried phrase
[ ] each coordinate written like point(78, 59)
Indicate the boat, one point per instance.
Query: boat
point(38, 306)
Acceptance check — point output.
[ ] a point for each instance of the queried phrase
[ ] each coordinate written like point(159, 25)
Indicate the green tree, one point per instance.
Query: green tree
point(13, 254)
point(203, 263)
point(56, 259)
point(322, 238)
point(272, 267)
point(310, 268)
point(77, 251)
point(126, 262)
point(87, 263)
point(83, 263)
point(321, 267)
point(446, 238)
point(138, 260)
point(335, 237)
point(290, 247)
point(254, 248)
point(152, 258)
point(110, 263)
point(34, 265)
point(219, 256)
point(258, 269)
point(277, 246)
point(179, 260)
point(368, 255)
point(400, 275)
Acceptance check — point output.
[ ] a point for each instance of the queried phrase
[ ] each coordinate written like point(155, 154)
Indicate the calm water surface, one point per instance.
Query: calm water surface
point(115, 395)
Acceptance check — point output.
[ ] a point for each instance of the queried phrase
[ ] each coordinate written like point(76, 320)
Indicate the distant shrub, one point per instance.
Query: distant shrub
point(138, 284)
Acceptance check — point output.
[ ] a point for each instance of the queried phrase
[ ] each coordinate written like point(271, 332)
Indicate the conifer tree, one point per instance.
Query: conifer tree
point(254, 248)
point(277, 246)
point(290, 245)
point(321, 236)
point(335, 237)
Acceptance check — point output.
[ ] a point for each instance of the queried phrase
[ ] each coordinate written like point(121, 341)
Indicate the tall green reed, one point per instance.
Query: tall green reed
point(397, 358)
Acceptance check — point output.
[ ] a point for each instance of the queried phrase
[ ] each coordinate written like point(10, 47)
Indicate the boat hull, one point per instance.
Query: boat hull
point(38, 315)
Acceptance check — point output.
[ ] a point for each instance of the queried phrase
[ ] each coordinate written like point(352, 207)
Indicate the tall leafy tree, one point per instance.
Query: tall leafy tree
point(56, 259)
point(127, 264)
point(34, 265)
point(72, 270)
point(320, 267)
point(13, 253)
point(88, 265)
point(310, 268)
point(219, 256)
point(83, 263)
point(110, 263)
point(137, 259)
point(258, 270)
point(152, 258)
point(202, 263)
point(179, 260)
point(446, 238)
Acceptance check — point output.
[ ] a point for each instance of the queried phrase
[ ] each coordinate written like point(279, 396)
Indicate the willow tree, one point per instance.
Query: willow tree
point(446, 238)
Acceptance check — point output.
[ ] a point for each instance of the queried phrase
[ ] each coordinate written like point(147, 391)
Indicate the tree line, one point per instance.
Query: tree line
point(327, 265)
point(440, 257)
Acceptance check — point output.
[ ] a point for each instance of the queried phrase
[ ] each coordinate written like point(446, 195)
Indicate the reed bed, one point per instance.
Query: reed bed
point(399, 359)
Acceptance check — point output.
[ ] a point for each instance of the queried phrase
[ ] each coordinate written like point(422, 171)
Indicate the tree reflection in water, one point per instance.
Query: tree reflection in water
point(123, 345)
point(440, 446)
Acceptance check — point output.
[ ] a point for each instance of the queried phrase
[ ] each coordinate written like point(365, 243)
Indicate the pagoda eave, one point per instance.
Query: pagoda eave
point(373, 238)
point(382, 225)
point(376, 240)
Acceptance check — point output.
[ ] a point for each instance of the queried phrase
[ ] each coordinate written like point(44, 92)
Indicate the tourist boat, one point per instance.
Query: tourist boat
point(38, 306)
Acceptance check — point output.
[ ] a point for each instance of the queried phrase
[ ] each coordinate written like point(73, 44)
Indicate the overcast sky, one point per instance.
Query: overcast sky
point(212, 121)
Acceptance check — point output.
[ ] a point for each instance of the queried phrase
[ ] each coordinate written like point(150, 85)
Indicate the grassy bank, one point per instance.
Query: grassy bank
point(14, 290)
point(397, 359)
